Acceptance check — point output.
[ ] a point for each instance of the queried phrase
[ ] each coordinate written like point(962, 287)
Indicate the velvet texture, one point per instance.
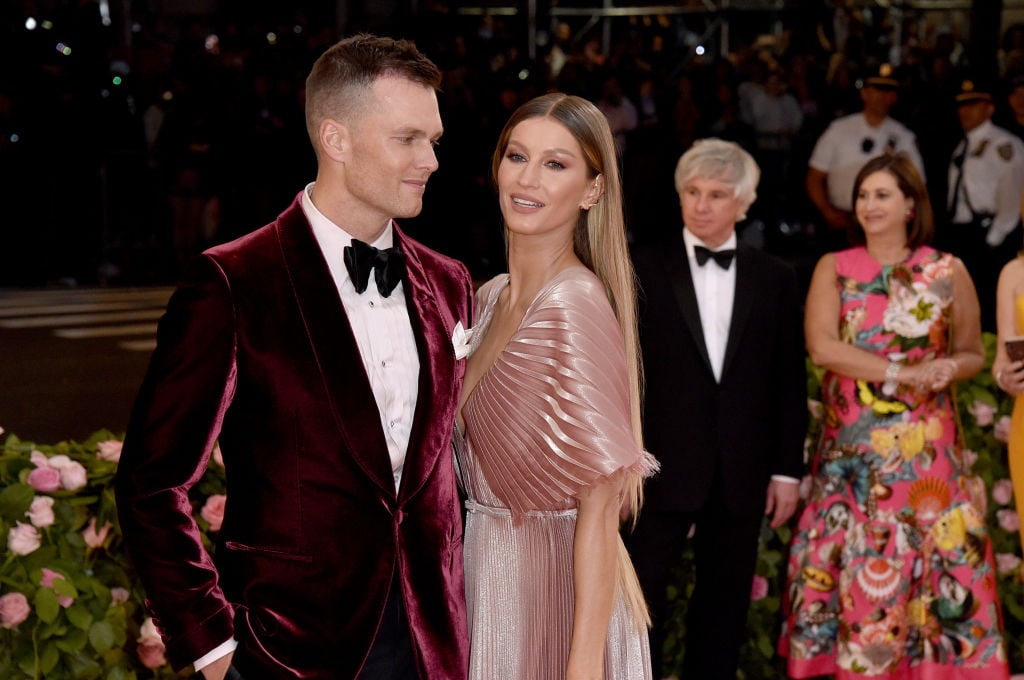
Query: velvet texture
point(255, 351)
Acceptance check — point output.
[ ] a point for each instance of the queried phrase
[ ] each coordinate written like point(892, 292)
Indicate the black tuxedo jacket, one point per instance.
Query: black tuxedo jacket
point(752, 424)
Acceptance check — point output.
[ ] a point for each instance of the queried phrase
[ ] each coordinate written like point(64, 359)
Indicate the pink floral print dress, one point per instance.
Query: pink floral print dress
point(890, 570)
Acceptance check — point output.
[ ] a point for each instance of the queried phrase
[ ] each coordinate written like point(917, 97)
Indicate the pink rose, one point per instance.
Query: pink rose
point(73, 476)
point(151, 648)
point(759, 588)
point(1006, 562)
point(93, 538)
point(1009, 520)
point(213, 510)
point(39, 459)
point(23, 539)
point(109, 450)
point(1002, 429)
point(14, 609)
point(41, 512)
point(44, 479)
point(58, 462)
point(1002, 491)
point(970, 458)
point(49, 576)
point(119, 595)
point(982, 412)
point(218, 456)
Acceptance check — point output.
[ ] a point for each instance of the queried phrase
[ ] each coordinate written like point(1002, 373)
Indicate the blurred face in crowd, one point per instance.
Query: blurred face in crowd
point(710, 209)
point(877, 101)
point(974, 113)
point(388, 152)
point(1016, 102)
point(881, 206)
point(543, 179)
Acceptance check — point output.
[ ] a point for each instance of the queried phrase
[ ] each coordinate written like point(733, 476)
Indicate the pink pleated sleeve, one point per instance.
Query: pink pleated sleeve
point(551, 416)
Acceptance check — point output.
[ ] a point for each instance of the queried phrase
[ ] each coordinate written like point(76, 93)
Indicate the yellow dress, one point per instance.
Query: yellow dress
point(1016, 444)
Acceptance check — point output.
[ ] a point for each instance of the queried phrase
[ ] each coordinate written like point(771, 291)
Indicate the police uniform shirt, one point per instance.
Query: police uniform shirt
point(993, 174)
point(850, 142)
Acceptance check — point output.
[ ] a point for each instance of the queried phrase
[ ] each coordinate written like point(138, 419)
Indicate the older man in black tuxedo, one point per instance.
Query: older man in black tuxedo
point(725, 405)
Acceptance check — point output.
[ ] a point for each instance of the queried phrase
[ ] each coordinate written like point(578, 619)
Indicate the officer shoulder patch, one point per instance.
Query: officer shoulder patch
point(1005, 151)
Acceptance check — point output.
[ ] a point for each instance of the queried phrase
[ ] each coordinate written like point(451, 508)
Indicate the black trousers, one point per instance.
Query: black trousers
point(725, 552)
point(391, 656)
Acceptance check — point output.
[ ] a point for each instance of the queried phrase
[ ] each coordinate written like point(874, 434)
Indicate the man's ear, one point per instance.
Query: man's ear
point(334, 139)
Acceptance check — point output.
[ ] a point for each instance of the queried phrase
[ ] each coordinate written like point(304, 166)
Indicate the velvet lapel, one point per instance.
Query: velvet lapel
point(682, 285)
point(743, 301)
point(341, 366)
point(438, 387)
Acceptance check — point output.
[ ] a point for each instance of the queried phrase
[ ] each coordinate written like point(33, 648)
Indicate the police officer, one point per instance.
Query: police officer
point(986, 173)
point(847, 144)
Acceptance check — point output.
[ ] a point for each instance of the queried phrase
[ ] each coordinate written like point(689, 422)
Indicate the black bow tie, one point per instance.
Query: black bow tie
point(389, 263)
point(722, 257)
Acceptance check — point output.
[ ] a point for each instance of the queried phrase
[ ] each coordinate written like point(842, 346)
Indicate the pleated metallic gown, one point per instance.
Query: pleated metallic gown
point(549, 418)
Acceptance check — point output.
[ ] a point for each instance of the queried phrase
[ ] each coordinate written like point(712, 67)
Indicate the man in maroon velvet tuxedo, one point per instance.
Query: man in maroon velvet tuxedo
point(326, 370)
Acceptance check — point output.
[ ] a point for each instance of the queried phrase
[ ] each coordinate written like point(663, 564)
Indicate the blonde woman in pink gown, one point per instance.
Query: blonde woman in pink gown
point(551, 458)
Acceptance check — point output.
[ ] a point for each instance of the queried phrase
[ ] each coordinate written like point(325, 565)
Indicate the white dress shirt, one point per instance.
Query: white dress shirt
point(383, 333)
point(715, 289)
point(386, 343)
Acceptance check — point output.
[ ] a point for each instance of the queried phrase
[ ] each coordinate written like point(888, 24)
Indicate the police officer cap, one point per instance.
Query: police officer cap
point(973, 91)
point(882, 77)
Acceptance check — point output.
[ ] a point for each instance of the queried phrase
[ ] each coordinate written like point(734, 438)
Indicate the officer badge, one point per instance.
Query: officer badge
point(1005, 151)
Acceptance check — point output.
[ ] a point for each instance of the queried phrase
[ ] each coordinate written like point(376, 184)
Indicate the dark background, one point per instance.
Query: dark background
point(134, 133)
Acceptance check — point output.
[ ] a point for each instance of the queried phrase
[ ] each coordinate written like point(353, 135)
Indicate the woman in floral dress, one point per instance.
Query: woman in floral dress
point(891, 572)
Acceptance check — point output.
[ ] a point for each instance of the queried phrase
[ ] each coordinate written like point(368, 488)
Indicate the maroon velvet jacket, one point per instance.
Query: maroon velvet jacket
point(255, 351)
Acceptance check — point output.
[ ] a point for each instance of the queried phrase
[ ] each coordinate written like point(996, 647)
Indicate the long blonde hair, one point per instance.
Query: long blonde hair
point(599, 240)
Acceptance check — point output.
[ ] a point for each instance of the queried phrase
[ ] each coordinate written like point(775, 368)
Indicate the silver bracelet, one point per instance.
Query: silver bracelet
point(892, 372)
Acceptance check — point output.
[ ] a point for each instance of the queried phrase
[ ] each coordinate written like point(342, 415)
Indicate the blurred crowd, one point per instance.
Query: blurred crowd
point(128, 145)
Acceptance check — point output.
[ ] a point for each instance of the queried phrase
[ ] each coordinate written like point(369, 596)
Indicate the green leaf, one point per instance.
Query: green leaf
point(83, 666)
point(46, 605)
point(73, 641)
point(101, 636)
point(49, 658)
point(15, 500)
point(62, 586)
point(79, 616)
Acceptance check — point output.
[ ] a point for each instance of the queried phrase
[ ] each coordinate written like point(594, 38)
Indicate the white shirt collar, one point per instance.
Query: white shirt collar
point(332, 238)
point(983, 130)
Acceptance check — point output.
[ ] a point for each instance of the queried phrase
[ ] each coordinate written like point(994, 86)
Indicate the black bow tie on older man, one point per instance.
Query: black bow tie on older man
point(389, 264)
point(722, 257)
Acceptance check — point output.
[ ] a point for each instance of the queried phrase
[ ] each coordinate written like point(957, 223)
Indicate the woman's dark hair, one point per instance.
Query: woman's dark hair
point(921, 226)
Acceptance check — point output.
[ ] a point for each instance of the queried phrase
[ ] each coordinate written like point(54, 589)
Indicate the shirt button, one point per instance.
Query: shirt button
point(371, 304)
point(391, 424)
point(384, 364)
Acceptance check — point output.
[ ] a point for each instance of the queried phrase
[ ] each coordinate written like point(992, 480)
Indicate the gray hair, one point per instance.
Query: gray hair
point(724, 161)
